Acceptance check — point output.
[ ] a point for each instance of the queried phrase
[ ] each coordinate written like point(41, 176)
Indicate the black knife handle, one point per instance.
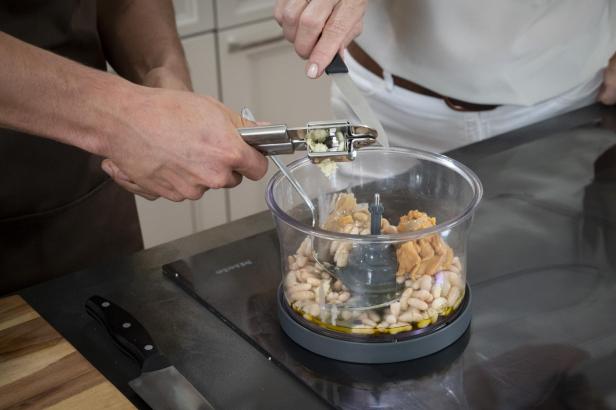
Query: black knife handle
point(130, 335)
point(336, 66)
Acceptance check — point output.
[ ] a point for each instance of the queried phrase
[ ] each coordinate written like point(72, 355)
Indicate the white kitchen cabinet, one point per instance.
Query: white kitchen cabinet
point(234, 12)
point(163, 220)
point(194, 16)
point(260, 70)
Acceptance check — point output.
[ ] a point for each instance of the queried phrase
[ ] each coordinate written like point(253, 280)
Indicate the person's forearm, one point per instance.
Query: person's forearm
point(141, 41)
point(50, 96)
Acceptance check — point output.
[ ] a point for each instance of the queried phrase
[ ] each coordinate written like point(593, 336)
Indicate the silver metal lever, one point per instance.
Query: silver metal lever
point(334, 140)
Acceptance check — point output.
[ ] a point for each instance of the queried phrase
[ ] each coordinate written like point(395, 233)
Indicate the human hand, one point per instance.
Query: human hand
point(320, 28)
point(177, 145)
point(607, 93)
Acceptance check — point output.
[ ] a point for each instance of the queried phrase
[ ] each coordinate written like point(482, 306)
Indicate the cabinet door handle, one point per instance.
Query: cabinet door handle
point(235, 45)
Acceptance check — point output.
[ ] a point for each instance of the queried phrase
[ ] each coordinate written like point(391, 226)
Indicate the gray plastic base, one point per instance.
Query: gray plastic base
point(375, 352)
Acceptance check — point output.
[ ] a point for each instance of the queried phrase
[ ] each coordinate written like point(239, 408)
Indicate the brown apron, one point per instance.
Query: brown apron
point(59, 212)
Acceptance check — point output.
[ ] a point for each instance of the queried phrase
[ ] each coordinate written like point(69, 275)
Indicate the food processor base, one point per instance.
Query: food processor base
point(375, 351)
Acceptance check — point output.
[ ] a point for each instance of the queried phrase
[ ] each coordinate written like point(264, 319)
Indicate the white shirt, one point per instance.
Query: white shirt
point(492, 51)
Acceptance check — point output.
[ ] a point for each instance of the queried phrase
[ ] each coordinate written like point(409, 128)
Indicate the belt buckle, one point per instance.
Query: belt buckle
point(454, 105)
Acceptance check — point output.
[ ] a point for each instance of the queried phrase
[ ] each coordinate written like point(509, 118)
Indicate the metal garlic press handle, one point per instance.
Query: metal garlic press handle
point(269, 139)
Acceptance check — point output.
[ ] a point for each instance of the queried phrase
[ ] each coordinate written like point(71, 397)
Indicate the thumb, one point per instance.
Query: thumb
point(607, 95)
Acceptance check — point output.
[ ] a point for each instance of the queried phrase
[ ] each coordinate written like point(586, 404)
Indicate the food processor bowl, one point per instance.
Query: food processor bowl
point(351, 293)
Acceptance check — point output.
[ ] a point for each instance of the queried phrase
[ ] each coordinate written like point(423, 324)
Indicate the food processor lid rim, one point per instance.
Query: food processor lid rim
point(444, 160)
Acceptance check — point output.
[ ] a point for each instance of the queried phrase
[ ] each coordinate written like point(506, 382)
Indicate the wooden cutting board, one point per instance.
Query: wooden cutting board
point(40, 369)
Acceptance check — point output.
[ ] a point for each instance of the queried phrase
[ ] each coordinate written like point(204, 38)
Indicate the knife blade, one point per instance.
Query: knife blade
point(160, 384)
point(339, 73)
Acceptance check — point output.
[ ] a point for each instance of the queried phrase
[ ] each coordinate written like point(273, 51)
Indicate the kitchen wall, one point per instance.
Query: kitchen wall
point(236, 52)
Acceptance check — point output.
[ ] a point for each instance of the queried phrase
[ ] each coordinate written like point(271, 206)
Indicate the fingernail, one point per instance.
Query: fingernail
point(312, 71)
point(106, 167)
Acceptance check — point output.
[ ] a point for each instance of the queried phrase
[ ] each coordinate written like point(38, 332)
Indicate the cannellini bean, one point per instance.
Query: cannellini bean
point(337, 285)
point(325, 275)
point(382, 325)
point(368, 322)
point(411, 315)
point(305, 248)
point(302, 295)
point(417, 303)
point(455, 279)
point(424, 295)
point(346, 315)
point(332, 296)
point(416, 285)
point(333, 247)
point(438, 304)
point(291, 259)
point(455, 263)
point(400, 280)
point(354, 231)
point(436, 291)
point(365, 231)
point(313, 309)
point(405, 297)
point(291, 278)
point(445, 287)
point(425, 282)
point(395, 308)
point(299, 287)
point(374, 316)
point(341, 257)
point(344, 296)
point(453, 296)
point(301, 261)
point(391, 319)
point(408, 283)
point(313, 281)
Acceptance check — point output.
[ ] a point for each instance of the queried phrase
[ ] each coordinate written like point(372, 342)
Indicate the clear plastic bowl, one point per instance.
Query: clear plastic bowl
point(425, 280)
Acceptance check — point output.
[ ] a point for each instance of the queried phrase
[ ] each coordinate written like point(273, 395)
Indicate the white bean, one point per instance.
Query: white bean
point(425, 282)
point(391, 319)
point(313, 309)
point(436, 291)
point(344, 296)
point(404, 298)
point(299, 287)
point(313, 281)
point(368, 322)
point(337, 285)
point(455, 279)
point(291, 278)
point(415, 285)
point(445, 288)
point(302, 295)
point(417, 303)
point(374, 316)
point(341, 257)
point(438, 304)
point(301, 261)
point(424, 295)
point(382, 325)
point(408, 283)
point(453, 296)
point(400, 280)
point(411, 315)
point(305, 248)
point(332, 296)
point(395, 308)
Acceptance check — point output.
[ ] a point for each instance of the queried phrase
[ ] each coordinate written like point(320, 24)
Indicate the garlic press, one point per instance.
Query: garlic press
point(333, 140)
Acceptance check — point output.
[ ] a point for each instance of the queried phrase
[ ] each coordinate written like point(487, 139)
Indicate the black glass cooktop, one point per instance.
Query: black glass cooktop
point(542, 268)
